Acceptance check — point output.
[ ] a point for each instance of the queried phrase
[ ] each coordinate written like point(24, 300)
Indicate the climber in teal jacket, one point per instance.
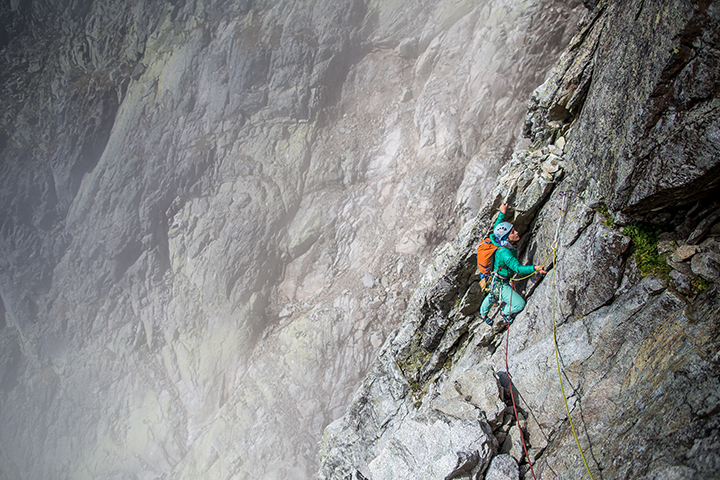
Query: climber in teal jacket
point(505, 265)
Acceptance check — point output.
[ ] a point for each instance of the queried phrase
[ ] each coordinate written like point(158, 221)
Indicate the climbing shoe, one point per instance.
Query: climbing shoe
point(486, 319)
point(508, 318)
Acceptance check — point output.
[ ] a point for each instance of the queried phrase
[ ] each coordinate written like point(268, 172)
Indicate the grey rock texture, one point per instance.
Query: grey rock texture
point(503, 467)
point(648, 98)
point(213, 214)
point(631, 113)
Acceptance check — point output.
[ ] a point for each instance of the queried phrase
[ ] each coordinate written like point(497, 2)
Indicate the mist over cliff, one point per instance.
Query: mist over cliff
point(213, 213)
point(226, 226)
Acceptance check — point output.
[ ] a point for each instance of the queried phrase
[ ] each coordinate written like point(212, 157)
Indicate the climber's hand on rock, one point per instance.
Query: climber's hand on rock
point(503, 208)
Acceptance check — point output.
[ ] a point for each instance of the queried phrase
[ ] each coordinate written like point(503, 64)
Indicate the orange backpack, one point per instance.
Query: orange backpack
point(485, 260)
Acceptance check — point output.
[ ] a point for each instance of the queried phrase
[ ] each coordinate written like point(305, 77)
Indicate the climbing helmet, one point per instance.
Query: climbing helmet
point(502, 230)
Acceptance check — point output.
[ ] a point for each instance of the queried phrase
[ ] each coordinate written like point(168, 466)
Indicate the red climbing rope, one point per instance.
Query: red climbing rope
point(512, 395)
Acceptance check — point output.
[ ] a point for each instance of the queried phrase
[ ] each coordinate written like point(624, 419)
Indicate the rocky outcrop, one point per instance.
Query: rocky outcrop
point(213, 213)
point(631, 355)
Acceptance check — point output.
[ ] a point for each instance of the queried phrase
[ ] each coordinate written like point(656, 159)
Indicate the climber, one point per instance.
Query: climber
point(505, 264)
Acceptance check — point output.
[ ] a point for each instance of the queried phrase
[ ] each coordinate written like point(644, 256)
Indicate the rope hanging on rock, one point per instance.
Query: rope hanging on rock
point(557, 353)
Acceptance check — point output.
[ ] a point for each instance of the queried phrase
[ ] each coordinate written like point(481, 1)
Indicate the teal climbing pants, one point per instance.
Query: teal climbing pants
point(514, 303)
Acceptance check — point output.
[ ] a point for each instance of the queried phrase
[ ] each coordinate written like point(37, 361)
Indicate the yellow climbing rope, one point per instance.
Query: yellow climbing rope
point(557, 360)
point(533, 273)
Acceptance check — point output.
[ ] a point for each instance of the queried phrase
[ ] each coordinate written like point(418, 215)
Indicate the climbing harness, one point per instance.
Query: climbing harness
point(494, 293)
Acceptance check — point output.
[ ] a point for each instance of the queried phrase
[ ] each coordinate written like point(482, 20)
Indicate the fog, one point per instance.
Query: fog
point(214, 214)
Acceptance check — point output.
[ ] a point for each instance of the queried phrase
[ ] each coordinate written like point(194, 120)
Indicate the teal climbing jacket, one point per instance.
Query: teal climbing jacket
point(506, 262)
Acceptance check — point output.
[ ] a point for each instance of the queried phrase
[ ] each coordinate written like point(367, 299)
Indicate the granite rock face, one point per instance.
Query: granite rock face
point(630, 112)
point(214, 213)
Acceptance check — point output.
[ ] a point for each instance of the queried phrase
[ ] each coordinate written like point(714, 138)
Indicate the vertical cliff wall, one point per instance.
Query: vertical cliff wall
point(213, 213)
point(618, 192)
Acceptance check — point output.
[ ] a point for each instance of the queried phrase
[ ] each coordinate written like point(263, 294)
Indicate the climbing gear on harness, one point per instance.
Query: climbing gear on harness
point(492, 293)
point(502, 230)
